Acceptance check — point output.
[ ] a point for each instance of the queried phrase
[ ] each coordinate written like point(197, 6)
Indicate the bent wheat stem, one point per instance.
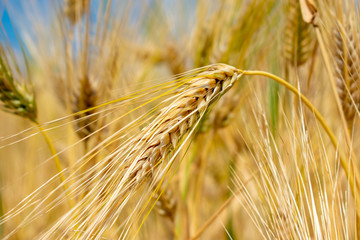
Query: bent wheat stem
point(351, 170)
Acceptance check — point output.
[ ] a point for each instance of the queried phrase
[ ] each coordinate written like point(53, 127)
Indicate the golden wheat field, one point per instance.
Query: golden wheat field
point(167, 119)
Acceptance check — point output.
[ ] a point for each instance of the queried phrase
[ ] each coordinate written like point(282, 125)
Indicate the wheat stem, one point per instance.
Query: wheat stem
point(350, 175)
point(351, 169)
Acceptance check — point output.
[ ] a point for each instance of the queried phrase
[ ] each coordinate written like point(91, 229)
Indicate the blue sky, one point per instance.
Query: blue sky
point(7, 26)
point(43, 11)
point(9, 29)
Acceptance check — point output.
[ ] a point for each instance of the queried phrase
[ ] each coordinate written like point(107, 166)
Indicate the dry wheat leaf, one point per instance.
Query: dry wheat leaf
point(308, 10)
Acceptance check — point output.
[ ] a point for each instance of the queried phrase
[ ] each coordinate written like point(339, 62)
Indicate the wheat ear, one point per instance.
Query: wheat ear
point(346, 70)
point(298, 42)
point(15, 98)
point(18, 100)
point(85, 98)
point(176, 120)
point(138, 161)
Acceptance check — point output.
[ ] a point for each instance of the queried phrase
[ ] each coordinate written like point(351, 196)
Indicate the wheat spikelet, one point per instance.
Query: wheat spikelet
point(346, 70)
point(15, 98)
point(138, 161)
point(298, 36)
